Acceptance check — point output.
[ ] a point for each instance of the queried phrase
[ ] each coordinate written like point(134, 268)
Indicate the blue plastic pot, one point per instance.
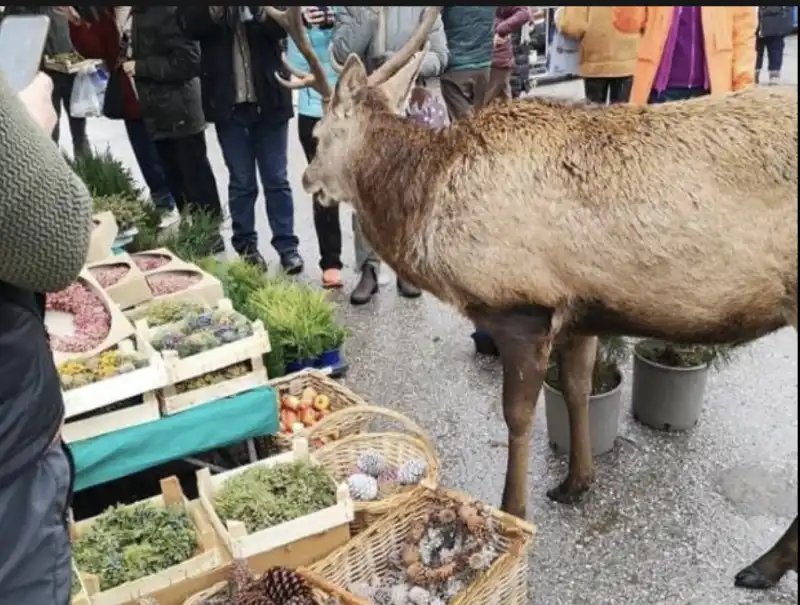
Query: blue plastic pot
point(329, 359)
point(296, 366)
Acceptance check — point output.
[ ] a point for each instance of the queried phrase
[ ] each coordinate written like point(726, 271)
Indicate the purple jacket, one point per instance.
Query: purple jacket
point(507, 19)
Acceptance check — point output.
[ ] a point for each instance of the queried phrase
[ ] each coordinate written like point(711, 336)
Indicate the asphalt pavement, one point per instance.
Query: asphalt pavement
point(671, 518)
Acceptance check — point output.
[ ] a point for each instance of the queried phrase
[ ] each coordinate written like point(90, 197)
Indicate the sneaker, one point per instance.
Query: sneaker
point(331, 278)
point(774, 78)
point(255, 259)
point(169, 218)
point(292, 263)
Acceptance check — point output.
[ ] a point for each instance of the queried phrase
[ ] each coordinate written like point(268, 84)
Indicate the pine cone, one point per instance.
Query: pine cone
point(284, 586)
point(240, 576)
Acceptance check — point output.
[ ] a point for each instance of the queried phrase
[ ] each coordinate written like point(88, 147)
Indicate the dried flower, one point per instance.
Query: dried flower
point(109, 275)
point(91, 319)
point(150, 262)
point(170, 282)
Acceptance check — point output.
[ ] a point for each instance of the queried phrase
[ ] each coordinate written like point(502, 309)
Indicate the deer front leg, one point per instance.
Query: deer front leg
point(577, 364)
point(767, 571)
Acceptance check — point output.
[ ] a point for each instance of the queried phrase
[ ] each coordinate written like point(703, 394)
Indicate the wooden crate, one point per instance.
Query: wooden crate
point(82, 596)
point(70, 67)
point(298, 542)
point(119, 330)
point(220, 357)
point(104, 232)
point(208, 289)
point(132, 289)
point(173, 402)
point(207, 559)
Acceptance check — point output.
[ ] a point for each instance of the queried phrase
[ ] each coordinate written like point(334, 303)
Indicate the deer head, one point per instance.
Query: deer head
point(351, 104)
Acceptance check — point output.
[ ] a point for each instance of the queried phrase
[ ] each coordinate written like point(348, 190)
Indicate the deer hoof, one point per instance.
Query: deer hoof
point(569, 492)
point(751, 577)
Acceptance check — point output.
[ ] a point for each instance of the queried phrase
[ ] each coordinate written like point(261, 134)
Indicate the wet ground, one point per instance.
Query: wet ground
point(671, 518)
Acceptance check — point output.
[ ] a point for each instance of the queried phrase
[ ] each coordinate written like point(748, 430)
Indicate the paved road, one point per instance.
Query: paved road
point(671, 519)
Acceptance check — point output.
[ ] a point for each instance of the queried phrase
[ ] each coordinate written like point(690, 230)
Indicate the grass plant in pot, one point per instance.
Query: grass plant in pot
point(669, 382)
point(605, 401)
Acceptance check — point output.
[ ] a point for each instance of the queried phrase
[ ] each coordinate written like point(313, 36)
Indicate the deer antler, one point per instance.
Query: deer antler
point(291, 20)
point(412, 45)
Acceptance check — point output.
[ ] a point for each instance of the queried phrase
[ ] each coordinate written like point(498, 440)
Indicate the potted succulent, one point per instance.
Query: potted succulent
point(669, 382)
point(605, 401)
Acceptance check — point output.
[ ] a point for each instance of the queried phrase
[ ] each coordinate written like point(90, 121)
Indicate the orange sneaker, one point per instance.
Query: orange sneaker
point(331, 278)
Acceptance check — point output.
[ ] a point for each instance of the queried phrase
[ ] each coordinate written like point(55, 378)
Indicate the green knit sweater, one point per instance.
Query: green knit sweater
point(45, 209)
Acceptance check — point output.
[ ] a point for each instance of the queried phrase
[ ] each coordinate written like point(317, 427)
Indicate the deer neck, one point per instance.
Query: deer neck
point(394, 172)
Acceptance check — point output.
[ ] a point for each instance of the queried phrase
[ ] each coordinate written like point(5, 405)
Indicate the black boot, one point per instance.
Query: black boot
point(366, 288)
point(406, 290)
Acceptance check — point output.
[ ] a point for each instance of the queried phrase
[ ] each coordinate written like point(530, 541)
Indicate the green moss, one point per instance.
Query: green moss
point(262, 497)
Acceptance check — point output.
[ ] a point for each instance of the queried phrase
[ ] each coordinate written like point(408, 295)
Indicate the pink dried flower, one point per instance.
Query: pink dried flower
point(170, 282)
point(108, 275)
point(92, 319)
point(150, 262)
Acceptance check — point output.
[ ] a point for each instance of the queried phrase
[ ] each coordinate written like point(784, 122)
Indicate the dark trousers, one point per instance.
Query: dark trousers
point(250, 142)
point(326, 219)
point(188, 172)
point(773, 47)
point(607, 90)
point(676, 94)
point(150, 164)
point(62, 93)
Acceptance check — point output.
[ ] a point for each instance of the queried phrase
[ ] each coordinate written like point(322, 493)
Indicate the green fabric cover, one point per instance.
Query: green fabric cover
point(206, 427)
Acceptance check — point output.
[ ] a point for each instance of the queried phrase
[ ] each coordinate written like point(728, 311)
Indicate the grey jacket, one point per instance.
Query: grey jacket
point(356, 31)
point(775, 21)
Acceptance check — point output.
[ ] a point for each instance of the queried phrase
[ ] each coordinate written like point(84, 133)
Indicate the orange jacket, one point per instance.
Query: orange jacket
point(729, 33)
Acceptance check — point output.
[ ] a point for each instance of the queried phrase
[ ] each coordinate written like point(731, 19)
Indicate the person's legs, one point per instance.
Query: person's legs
point(169, 158)
point(326, 219)
point(56, 98)
point(761, 46)
point(240, 158)
point(619, 89)
point(596, 90)
point(457, 91)
point(499, 85)
point(368, 263)
point(152, 170)
point(775, 47)
point(271, 143)
point(35, 552)
point(77, 126)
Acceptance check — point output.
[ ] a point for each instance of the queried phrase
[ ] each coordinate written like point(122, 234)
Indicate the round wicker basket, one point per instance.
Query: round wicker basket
point(340, 459)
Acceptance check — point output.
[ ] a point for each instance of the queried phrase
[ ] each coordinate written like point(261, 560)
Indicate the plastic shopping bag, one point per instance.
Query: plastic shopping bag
point(88, 93)
point(564, 55)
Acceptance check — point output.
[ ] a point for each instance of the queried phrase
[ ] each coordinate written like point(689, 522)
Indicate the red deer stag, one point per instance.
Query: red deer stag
point(546, 221)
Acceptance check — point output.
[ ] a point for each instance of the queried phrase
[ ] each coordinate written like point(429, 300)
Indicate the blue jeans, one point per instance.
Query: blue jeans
point(150, 164)
point(247, 142)
point(676, 94)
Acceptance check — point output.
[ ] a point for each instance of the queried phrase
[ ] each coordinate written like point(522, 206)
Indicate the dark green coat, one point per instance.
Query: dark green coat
point(470, 36)
point(167, 74)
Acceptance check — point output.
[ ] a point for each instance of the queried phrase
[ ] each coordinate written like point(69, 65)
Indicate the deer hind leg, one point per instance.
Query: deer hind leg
point(768, 570)
point(523, 339)
point(577, 363)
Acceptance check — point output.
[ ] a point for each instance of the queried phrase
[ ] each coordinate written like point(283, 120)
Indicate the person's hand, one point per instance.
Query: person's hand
point(38, 99)
point(499, 40)
point(314, 17)
point(129, 67)
point(69, 13)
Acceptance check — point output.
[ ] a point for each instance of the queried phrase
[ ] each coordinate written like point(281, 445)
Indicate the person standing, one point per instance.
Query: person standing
point(58, 42)
point(469, 31)
point(45, 221)
point(309, 111)
point(165, 69)
point(774, 24)
point(241, 52)
point(689, 51)
point(375, 34)
point(508, 20)
point(607, 56)
point(105, 33)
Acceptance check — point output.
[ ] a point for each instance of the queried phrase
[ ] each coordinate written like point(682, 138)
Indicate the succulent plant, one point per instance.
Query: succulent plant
point(162, 312)
point(200, 332)
point(127, 211)
point(206, 380)
point(78, 373)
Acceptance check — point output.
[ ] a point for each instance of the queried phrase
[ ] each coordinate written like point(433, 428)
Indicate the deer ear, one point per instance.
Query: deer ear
point(352, 79)
point(398, 87)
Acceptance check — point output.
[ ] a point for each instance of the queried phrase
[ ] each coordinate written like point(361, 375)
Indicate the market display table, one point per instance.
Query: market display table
point(206, 427)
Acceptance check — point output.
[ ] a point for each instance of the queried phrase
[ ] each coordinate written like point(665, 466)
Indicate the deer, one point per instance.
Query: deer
point(552, 223)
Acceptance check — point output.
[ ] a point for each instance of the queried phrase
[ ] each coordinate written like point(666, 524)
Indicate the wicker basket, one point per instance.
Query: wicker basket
point(340, 458)
point(368, 555)
point(324, 591)
point(340, 397)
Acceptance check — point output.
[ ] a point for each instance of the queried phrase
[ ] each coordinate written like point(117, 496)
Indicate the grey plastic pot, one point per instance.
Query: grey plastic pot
point(603, 419)
point(667, 398)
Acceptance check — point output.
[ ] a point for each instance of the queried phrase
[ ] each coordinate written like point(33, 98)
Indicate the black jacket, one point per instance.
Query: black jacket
point(216, 40)
point(31, 406)
point(775, 21)
point(167, 74)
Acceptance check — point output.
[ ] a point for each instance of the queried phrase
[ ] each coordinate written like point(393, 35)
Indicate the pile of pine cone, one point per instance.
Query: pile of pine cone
point(278, 586)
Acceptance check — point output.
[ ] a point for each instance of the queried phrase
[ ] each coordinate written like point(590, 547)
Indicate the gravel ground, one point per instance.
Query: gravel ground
point(671, 518)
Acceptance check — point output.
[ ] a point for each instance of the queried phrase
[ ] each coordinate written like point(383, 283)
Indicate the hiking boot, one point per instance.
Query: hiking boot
point(292, 263)
point(366, 288)
point(406, 290)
